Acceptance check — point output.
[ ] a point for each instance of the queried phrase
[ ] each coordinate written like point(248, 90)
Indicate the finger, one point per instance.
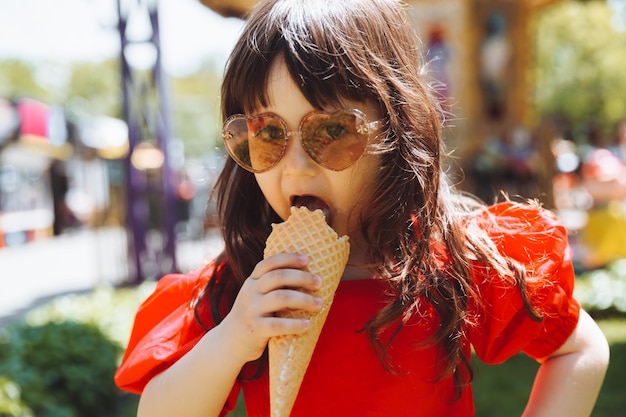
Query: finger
point(288, 278)
point(284, 299)
point(280, 261)
point(278, 326)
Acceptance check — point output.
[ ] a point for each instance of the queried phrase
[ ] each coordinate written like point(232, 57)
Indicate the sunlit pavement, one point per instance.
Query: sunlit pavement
point(35, 272)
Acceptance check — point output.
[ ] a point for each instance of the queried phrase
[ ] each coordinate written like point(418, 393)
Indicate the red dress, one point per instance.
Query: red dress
point(345, 376)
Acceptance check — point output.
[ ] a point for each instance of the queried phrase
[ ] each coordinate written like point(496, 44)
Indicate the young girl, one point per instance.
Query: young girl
point(326, 107)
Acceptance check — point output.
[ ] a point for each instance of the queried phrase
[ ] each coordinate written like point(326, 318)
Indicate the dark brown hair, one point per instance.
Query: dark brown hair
point(362, 50)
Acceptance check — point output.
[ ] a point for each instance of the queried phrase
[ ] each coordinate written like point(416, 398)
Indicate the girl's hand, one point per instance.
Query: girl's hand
point(275, 284)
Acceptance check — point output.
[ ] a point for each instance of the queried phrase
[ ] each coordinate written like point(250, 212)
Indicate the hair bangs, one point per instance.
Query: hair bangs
point(322, 78)
point(244, 87)
point(323, 53)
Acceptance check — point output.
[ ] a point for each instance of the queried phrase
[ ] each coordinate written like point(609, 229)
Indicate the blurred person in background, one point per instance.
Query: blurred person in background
point(618, 147)
point(604, 178)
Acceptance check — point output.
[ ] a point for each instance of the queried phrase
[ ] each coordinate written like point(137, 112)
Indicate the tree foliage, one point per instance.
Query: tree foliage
point(95, 88)
point(580, 61)
point(80, 88)
point(17, 79)
point(196, 104)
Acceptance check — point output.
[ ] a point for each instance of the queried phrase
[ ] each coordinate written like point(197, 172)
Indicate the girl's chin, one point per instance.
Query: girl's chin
point(341, 229)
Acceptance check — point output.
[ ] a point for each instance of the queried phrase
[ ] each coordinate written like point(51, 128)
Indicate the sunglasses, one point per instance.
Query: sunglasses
point(334, 141)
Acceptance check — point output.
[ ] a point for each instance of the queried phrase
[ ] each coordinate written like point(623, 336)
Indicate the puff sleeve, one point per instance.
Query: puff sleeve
point(165, 329)
point(534, 238)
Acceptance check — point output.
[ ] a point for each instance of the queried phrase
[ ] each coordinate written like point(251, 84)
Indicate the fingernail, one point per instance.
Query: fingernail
point(317, 281)
point(303, 258)
point(318, 301)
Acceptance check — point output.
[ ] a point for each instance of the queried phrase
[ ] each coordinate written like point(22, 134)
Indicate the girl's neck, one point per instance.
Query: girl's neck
point(358, 267)
point(355, 273)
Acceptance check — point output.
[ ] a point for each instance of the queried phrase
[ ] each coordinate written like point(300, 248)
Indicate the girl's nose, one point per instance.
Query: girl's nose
point(297, 161)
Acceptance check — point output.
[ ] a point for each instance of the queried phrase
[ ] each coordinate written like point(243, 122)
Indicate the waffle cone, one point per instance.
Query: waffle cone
point(305, 232)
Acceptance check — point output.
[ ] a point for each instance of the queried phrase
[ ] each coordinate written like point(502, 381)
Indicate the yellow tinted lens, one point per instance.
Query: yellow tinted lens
point(333, 140)
point(255, 143)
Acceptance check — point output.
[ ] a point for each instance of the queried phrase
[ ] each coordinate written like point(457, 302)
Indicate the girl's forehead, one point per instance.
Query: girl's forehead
point(279, 74)
point(283, 86)
point(281, 89)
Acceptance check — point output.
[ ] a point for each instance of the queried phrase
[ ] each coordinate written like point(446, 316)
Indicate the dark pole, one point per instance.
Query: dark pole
point(164, 136)
point(150, 212)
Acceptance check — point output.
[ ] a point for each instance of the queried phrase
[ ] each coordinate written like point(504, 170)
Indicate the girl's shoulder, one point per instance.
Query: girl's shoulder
point(525, 232)
point(511, 215)
point(534, 239)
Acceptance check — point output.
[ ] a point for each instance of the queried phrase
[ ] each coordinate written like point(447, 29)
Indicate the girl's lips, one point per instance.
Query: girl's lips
point(312, 203)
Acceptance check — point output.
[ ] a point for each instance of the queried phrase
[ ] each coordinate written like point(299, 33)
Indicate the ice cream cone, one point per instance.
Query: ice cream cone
point(305, 232)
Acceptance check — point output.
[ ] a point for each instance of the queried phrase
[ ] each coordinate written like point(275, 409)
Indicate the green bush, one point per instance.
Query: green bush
point(11, 404)
point(109, 309)
point(62, 369)
point(602, 292)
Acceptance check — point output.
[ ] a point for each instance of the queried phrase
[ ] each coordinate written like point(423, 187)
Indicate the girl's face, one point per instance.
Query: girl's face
point(298, 180)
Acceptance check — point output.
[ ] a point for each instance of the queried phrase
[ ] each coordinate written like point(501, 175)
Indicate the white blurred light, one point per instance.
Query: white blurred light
point(618, 21)
point(146, 156)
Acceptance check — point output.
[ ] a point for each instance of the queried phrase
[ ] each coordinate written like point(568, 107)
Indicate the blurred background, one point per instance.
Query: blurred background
point(110, 144)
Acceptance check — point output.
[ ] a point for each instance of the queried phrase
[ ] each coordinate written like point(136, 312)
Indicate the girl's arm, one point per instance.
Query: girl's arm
point(568, 381)
point(200, 382)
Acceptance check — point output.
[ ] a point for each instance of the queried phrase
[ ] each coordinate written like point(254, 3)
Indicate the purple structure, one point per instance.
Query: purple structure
point(150, 181)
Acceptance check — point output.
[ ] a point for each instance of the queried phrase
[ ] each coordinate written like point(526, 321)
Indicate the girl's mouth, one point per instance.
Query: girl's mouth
point(312, 203)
